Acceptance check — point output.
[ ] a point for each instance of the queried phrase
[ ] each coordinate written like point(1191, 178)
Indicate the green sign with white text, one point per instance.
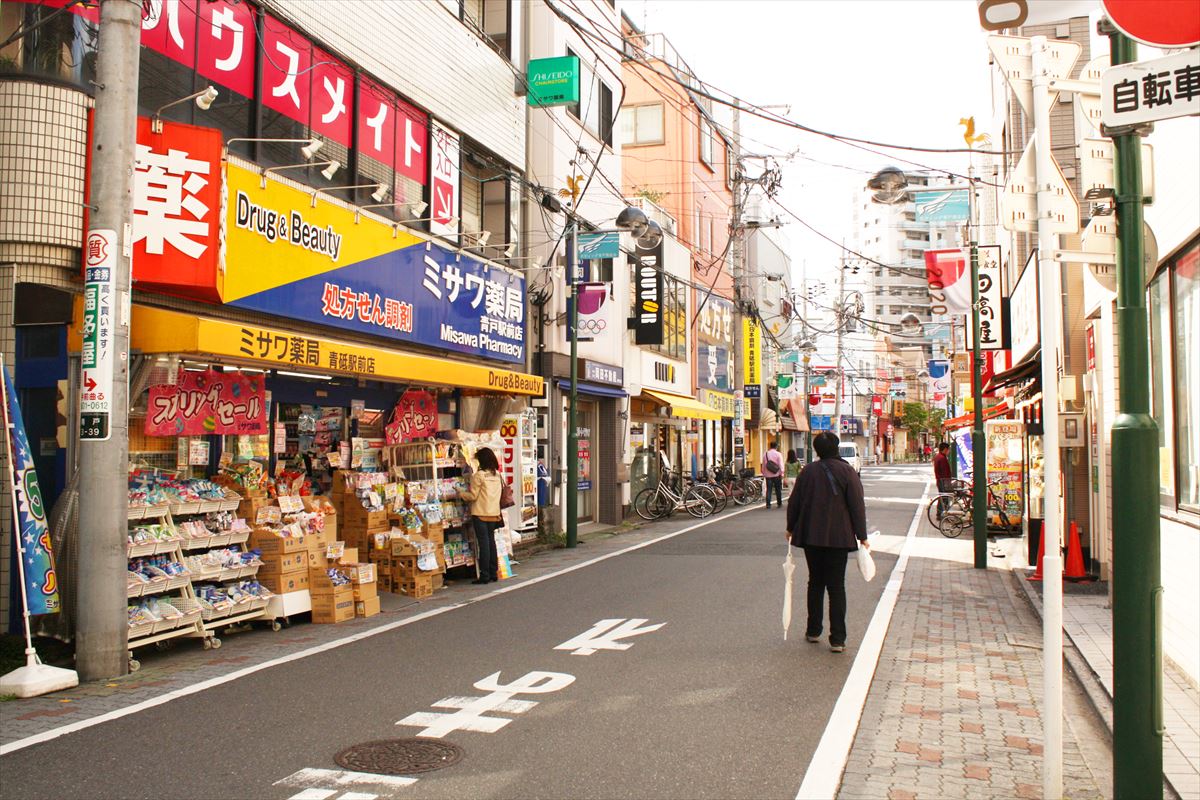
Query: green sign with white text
point(553, 81)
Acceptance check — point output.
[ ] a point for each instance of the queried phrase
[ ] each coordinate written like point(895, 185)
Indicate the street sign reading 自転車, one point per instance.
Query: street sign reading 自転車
point(1146, 91)
point(99, 306)
point(553, 81)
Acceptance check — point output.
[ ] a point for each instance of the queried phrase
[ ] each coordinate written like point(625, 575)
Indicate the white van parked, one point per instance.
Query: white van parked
point(849, 453)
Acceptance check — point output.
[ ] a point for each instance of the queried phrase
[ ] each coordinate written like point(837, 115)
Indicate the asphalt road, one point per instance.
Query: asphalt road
point(712, 704)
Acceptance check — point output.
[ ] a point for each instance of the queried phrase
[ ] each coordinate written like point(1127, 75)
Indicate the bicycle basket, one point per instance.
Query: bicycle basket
point(746, 472)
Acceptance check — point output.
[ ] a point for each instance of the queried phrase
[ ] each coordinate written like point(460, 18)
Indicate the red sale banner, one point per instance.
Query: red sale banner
point(414, 417)
point(207, 402)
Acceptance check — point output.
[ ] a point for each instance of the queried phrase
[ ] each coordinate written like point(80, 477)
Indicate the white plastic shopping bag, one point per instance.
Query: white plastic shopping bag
point(866, 565)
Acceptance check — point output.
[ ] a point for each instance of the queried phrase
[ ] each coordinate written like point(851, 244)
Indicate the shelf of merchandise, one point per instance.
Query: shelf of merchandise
point(197, 620)
point(189, 622)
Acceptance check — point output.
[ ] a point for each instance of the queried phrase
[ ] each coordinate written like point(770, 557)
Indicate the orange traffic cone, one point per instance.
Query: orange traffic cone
point(1075, 570)
point(1037, 573)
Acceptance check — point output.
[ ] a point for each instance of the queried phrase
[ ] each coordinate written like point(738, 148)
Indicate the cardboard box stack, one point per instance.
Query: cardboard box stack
point(285, 557)
point(406, 563)
point(332, 595)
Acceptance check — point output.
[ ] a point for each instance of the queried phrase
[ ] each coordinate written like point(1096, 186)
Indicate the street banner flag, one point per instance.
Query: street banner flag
point(949, 281)
point(33, 534)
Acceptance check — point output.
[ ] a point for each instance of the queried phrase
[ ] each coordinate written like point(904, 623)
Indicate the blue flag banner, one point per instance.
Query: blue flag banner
point(33, 534)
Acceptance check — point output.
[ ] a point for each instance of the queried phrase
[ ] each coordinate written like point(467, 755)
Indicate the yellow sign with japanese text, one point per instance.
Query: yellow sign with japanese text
point(157, 331)
point(751, 353)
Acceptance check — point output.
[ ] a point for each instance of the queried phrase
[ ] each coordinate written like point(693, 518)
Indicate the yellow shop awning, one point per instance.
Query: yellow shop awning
point(154, 330)
point(682, 405)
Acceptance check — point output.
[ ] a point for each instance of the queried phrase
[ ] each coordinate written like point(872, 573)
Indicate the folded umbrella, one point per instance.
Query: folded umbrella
point(789, 570)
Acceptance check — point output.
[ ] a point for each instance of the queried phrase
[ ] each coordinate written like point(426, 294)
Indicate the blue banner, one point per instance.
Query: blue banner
point(33, 534)
point(944, 206)
point(422, 294)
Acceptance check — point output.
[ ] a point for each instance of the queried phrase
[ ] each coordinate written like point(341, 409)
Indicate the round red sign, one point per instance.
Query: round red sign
point(1158, 23)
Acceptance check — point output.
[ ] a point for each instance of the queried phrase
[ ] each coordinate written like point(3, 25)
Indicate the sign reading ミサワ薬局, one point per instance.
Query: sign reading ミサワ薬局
point(288, 257)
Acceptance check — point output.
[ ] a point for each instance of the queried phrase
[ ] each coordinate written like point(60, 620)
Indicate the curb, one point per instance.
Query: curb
point(1097, 695)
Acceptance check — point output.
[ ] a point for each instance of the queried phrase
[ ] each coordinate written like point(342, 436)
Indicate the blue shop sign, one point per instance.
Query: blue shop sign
point(421, 294)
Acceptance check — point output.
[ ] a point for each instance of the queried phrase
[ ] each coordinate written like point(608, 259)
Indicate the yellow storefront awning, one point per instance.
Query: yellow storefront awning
point(683, 406)
point(154, 330)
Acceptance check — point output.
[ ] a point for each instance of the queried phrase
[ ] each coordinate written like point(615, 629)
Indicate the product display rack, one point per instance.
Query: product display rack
point(197, 620)
point(421, 461)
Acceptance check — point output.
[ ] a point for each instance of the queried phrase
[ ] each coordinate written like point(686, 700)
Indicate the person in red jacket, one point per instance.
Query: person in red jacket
point(943, 476)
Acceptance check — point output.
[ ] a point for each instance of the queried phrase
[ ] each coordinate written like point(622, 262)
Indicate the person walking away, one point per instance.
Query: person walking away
point(484, 496)
point(791, 470)
point(943, 476)
point(827, 516)
point(772, 469)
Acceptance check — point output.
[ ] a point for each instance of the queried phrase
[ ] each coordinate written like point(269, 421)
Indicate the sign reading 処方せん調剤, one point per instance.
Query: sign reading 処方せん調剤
point(288, 257)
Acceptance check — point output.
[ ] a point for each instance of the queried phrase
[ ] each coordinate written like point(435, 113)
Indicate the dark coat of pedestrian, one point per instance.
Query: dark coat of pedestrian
point(827, 516)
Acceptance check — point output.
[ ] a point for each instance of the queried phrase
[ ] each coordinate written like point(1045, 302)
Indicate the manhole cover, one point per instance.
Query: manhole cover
point(400, 756)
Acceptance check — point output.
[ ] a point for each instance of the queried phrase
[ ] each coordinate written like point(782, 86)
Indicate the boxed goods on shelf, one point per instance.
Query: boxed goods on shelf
point(279, 563)
point(284, 582)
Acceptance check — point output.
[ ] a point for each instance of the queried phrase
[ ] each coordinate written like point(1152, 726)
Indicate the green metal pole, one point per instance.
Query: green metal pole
point(1137, 588)
point(572, 487)
point(978, 446)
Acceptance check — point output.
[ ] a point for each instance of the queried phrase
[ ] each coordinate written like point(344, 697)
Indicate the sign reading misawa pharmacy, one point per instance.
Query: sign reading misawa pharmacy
point(289, 257)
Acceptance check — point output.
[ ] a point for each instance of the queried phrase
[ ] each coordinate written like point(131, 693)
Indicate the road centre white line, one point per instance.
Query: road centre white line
point(196, 688)
point(824, 773)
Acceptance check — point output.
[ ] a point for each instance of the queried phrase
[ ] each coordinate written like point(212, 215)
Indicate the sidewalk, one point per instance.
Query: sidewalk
point(1087, 621)
point(955, 706)
point(187, 666)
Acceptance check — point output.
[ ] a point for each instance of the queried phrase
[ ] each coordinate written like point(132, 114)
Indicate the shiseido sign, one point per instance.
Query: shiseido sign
point(647, 321)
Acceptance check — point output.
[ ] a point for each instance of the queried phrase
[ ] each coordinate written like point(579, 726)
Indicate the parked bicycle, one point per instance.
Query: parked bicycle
point(673, 494)
point(959, 519)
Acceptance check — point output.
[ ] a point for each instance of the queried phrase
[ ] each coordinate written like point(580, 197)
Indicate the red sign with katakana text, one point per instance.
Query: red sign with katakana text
point(208, 402)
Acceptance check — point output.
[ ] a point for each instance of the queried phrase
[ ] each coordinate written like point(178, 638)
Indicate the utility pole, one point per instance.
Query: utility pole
point(840, 317)
point(100, 648)
point(1137, 579)
point(1050, 303)
point(978, 445)
point(572, 488)
point(736, 260)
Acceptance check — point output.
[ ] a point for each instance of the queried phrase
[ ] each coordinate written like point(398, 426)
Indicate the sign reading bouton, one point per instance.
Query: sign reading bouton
point(208, 402)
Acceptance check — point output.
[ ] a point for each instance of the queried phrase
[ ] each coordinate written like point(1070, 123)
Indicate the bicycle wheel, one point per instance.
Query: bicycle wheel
point(931, 512)
point(743, 492)
point(953, 524)
point(642, 503)
point(700, 500)
point(722, 496)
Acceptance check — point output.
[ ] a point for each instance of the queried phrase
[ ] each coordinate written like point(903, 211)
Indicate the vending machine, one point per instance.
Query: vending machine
point(519, 467)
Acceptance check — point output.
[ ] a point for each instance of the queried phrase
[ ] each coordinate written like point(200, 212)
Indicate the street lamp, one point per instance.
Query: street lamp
point(890, 187)
point(648, 234)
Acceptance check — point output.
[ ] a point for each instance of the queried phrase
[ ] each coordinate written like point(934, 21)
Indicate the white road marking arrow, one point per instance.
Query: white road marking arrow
point(333, 784)
point(604, 635)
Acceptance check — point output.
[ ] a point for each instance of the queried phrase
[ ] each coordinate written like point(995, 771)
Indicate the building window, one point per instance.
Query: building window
point(58, 44)
point(641, 125)
point(575, 109)
point(484, 198)
point(730, 166)
point(1185, 309)
point(706, 141)
point(489, 19)
point(1174, 332)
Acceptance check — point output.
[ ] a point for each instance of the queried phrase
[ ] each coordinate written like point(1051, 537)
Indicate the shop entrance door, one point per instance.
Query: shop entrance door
point(586, 420)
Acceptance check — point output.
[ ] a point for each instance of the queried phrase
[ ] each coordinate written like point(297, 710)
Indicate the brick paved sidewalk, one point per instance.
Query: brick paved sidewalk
point(954, 708)
point(188, 664)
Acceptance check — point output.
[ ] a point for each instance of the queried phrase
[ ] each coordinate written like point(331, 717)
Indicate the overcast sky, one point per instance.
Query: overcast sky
point(900, 72)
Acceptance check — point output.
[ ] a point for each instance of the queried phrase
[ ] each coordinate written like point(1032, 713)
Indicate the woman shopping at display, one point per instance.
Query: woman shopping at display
point(484, 495)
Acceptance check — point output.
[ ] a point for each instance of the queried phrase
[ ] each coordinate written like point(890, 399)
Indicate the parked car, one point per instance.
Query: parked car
point(849, 453)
